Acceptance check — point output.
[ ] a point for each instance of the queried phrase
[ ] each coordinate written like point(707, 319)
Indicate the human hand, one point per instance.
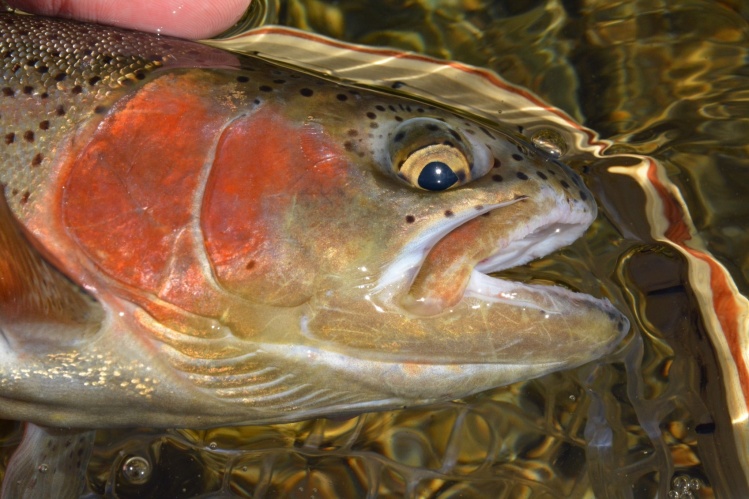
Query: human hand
point(182, 18)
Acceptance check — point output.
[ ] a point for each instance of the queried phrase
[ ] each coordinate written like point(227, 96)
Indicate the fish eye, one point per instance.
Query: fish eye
point(430, 155)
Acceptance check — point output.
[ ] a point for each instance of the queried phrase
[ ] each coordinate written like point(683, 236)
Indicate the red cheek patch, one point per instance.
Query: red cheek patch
point(266, 168)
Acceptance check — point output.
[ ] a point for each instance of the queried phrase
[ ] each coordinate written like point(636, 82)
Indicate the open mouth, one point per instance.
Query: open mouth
point(456, 261)
point(437, 305)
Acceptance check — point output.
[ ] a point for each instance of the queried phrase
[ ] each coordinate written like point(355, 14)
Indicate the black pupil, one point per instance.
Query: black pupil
point(436, 176)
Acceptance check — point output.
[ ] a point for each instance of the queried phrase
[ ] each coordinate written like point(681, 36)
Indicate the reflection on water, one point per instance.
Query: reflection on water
point(668, 82)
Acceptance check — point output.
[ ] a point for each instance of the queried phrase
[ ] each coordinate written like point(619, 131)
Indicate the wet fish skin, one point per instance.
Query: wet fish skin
point(246, 246)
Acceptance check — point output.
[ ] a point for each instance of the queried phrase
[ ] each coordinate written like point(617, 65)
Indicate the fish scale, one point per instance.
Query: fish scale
point(56, 74)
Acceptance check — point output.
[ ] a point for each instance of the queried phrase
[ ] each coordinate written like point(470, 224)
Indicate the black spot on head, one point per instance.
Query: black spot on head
point(44, 125)
point(380, 108)
point(391, 107)
point(242, 79)
point(352, 133)
point(306, 92)
point(279, 82)
point(10, 138)
point(551, 172)
point(37, 160)
point(541, 175)
point(397, 84)
point(517, 157)
point(250, 265)
point(348, 145)
point(449, 213)
point(497, 178)
point(265, 88)
point(28, 136)
point(399, 136)
point(486, 132)
point(583, 196)
point(60, 110)
point(398, 119)
point(432, 127)
point(456, 135)
point(565, 184)
point(27, 89)
point(8, 92)
point(100, 109)
point(410, 219)
point(371, 115)
point(25, 197)
point(522, 176)
point(342, 97)
point(256, 101)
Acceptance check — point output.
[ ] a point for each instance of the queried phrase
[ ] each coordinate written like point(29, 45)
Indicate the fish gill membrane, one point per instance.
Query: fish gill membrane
point(212, 239)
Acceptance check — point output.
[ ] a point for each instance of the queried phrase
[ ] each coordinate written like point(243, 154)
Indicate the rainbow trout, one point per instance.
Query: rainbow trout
point(191, 237)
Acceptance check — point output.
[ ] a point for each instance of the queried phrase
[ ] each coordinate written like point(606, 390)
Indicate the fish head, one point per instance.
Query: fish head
point(393, 213)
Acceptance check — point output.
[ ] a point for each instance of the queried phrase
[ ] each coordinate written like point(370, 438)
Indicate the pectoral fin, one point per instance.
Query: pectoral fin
point(39, 306)
point(49, 463)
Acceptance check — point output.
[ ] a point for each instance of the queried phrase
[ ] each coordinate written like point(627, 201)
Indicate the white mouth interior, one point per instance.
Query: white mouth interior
point(534, 244)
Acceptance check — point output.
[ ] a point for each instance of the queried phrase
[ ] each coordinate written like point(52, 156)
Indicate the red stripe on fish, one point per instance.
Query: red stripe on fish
point(130, 193)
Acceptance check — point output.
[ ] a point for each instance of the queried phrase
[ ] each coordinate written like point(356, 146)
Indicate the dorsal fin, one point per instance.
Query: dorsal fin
point(39, 306)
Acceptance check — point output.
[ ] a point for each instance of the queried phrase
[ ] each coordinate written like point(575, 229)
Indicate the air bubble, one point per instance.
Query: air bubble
point(213, 446)
point(683, 487)
point(43, 468)
point(550, 141)
point(137, 470)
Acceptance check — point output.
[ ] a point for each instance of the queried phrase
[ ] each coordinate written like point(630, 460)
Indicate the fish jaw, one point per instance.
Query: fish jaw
point(436, 308)
point(493, 321)
point(500, 332)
